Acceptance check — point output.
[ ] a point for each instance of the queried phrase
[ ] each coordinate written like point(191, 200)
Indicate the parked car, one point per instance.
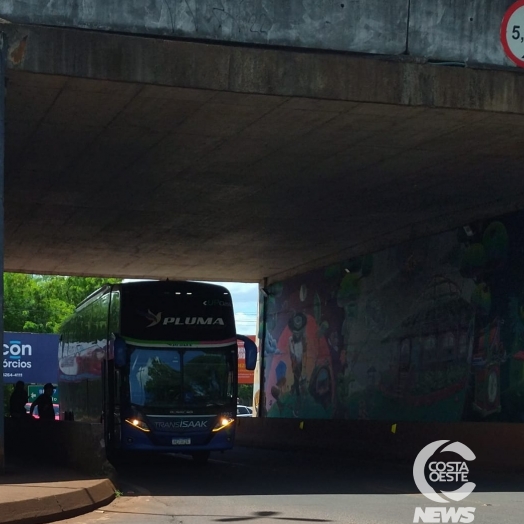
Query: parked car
point(244, 411)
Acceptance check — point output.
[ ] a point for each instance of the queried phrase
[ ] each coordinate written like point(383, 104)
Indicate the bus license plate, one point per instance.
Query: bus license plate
point(181, 441)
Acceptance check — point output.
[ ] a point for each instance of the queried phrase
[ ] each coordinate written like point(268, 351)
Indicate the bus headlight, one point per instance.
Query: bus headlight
point(139, 424)
point(223, 422)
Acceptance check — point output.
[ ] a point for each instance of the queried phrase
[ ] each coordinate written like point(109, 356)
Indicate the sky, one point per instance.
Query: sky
point(245, 304)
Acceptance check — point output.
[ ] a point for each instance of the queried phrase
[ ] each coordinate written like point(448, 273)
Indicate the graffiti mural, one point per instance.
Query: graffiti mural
point(431, 330)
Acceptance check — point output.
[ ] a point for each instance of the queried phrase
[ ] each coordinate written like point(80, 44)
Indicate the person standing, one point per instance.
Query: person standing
point(18, 400)
point(44, 403)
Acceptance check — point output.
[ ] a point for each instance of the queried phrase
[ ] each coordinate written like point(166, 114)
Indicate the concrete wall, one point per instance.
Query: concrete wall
point(447, 30)
point(458, 30)
point(77, 445)
point(370, 26)
point(72, 444)
point(496, 446)
point(428, 330)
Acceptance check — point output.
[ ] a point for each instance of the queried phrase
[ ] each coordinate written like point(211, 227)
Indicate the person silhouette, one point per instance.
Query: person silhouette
point(44, 403)
point(18, 400)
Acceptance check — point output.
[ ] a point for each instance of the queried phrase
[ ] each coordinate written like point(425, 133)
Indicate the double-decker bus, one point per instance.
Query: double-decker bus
point(156, 362)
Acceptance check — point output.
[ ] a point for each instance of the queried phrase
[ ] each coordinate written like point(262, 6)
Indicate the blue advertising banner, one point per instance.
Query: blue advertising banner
point(31, 357)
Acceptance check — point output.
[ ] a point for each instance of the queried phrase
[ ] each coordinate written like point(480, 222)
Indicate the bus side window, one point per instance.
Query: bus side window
point(118, 385)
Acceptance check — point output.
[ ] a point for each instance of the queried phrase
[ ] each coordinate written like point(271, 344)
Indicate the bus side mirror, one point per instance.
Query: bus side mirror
point(120, 352)
point(251, 352)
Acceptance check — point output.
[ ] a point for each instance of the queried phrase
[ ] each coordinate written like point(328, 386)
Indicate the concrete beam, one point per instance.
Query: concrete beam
point(371, 26)
point(466, 32)
point(105, 56)
point(172, 154)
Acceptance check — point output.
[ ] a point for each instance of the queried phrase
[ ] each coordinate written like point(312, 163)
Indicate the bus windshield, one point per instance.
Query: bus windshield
point(180, 378)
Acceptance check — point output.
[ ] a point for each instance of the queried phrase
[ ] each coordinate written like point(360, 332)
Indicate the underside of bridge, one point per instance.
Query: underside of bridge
point(140, 157)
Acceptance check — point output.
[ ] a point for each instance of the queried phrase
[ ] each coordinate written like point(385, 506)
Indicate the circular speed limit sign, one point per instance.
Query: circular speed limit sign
point(512, 33)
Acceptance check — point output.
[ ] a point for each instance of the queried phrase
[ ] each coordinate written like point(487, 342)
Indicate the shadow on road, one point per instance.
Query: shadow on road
point(249, 471)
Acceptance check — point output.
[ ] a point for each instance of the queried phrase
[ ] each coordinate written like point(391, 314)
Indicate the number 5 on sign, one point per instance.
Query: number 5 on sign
point(512, 33)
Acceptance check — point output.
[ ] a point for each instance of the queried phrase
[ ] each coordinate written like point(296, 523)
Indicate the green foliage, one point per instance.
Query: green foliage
point(39, 304)
point(8, 390)
point(245, 394)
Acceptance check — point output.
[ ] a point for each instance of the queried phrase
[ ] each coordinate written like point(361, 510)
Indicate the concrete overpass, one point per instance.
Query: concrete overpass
point(250, 142)
point(186, 159)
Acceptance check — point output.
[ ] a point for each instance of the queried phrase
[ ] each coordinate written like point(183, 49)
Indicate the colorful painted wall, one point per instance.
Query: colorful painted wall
point(431, 330)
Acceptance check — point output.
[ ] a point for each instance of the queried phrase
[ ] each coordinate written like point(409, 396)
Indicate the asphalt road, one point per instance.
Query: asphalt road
point(269, 487)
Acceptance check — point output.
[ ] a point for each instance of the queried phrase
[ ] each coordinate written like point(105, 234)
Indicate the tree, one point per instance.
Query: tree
point(39, 304)
point(245, 394)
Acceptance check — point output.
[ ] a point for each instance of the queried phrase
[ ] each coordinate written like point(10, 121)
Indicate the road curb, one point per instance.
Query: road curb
point(58, 506)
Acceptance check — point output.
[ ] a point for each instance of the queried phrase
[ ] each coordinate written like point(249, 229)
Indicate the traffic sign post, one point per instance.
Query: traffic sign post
point(34, 391)
point(512, 33)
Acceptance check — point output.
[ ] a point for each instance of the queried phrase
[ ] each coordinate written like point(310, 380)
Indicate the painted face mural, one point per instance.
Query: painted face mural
point(428, 330)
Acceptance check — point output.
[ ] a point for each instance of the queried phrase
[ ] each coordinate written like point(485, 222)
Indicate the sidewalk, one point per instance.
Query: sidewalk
point(34, 493)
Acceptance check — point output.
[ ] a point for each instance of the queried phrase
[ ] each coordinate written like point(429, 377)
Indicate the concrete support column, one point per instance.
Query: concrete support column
point(3, 66)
